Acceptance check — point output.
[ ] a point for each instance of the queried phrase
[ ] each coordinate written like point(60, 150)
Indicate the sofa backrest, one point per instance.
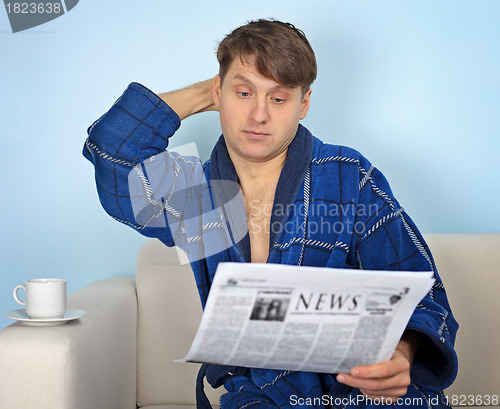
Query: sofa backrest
point(469, 265)
point(169, 313)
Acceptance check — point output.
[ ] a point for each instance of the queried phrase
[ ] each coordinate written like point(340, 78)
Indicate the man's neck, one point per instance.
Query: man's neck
point(258, 176)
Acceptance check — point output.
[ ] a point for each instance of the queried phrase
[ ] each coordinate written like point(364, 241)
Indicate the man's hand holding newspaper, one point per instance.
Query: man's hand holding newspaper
point(388, 379)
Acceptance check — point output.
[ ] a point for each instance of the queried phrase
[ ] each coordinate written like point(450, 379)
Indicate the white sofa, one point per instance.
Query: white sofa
point(120, 354)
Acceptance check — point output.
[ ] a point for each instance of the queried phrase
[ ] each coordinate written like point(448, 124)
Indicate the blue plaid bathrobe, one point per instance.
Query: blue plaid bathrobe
point(339, 212)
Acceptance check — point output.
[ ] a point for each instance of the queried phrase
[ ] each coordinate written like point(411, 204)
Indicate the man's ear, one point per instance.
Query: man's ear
point(306, 102)
point(216, 91)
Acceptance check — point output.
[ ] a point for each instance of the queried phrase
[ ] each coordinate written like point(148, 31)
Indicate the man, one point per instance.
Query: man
point(286, 177)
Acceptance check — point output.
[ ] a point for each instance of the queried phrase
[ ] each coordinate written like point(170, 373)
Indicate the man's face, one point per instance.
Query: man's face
point(259, 117)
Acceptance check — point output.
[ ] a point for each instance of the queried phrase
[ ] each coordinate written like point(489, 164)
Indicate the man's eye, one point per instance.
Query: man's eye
point(278, 100)
point(244, 94)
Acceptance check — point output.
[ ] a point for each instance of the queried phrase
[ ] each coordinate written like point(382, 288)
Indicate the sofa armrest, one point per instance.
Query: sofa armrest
point(87, 363)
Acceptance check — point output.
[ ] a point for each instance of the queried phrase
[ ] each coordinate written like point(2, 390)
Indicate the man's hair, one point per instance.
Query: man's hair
point(282, 52)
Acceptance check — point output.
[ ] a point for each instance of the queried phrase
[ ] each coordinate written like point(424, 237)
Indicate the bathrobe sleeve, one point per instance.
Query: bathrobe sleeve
point(139, 182)
point(391, 241)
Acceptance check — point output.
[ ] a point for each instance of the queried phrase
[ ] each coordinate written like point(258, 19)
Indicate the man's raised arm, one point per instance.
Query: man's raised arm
point(134, 173)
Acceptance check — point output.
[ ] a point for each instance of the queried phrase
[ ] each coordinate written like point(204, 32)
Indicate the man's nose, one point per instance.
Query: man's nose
point(260, 110)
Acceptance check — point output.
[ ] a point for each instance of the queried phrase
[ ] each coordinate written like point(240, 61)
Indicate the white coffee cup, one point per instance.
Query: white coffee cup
point(45, 297)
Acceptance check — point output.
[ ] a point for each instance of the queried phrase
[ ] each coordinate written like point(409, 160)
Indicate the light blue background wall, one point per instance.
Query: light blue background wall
point(413, 85)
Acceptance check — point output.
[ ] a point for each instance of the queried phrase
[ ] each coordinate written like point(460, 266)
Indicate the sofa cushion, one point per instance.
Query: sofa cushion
point(165, 331)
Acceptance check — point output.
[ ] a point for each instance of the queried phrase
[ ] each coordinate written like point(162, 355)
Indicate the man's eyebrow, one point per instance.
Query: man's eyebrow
point(245, 79)
point(242, 78)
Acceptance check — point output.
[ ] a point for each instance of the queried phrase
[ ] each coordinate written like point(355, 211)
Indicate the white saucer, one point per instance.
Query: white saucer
point(69, 315)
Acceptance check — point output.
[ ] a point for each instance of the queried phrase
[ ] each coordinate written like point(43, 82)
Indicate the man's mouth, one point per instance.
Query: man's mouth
point(253, 134)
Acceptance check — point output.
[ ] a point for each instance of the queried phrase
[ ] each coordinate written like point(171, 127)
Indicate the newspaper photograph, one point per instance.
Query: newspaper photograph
point(310, 319)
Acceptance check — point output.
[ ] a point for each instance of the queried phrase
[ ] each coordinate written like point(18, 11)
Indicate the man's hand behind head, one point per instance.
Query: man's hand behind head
point(191, 100)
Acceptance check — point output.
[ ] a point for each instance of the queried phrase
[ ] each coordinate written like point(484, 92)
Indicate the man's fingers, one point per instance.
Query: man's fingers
point(399, 381)
point(378, 371)
point(389, 379)
point(390, 388)
point(384, 369)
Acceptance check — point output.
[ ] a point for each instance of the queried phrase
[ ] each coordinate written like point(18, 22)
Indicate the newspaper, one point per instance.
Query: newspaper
point(305, 318)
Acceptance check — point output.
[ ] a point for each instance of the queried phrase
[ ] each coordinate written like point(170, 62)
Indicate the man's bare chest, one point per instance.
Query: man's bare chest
point(259, 210)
